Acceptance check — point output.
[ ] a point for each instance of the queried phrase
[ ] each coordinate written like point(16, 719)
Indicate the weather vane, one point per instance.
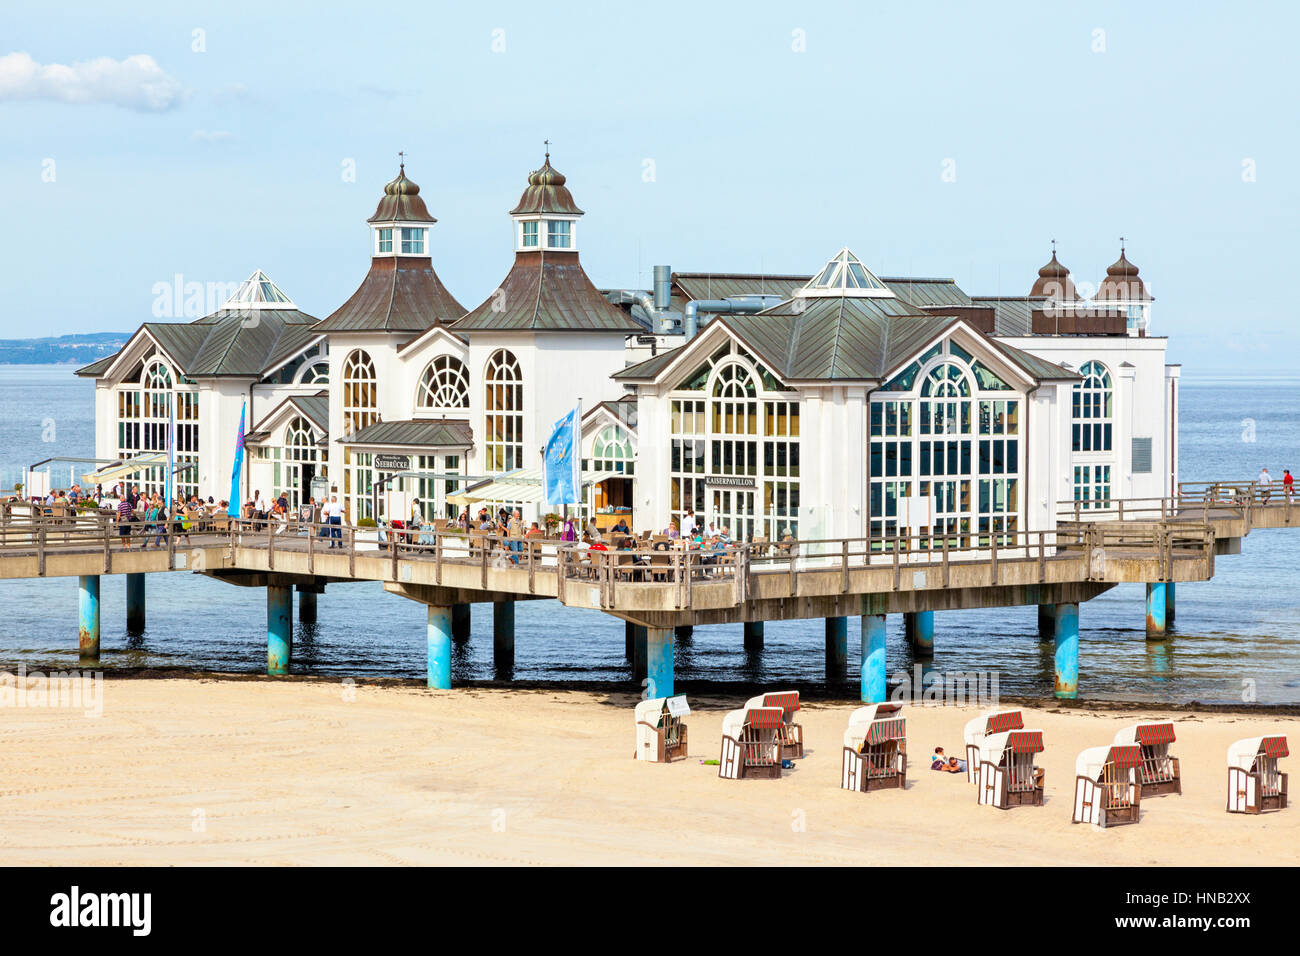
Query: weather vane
point(401, 159)
point(547, 144)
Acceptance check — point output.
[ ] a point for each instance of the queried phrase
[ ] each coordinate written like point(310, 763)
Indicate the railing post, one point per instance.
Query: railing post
point(270, 547)
point(1121, 509)
point(437, 556)
point(40, 550)
point(993, 543)
point(311, 553)
point(896, 569)
point(108, 551)
point(532, 566)
point(844, 564)
point(561, 557)
point(1042, 557)
point(946, 568)
point(352, 551)
point(483, 559)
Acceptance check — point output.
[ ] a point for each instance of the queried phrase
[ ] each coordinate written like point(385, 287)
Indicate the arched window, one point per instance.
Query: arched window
point(444, 384)
point(1093, 399)
point(317, 373)
point(360, 393)
point(503, 408)
point(301, 462)
point(168, 411)
point(612, 451)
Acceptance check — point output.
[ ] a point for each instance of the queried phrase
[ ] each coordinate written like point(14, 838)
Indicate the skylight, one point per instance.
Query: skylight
point(259, 292)
point(843, 275)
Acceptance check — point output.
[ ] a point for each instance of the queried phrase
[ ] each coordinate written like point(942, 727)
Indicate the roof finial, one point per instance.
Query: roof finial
point(547, 144)
point(1121, 245)
point(401, 161)
point(1053, 248)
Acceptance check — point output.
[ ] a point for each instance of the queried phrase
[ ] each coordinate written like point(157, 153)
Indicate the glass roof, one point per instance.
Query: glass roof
point(845, 274)
point(259, 292)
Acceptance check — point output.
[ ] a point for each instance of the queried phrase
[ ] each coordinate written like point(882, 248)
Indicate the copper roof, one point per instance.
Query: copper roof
point(417, 433)
point(546, 193)
point(401, 202)
point(247, 344)
point(547, 291)
point(1054, 281)
point(1122, 282)
point(398, 294)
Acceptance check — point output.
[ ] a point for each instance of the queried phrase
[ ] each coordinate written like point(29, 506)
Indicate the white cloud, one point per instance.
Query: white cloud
point(211, 136)
point(136, 83)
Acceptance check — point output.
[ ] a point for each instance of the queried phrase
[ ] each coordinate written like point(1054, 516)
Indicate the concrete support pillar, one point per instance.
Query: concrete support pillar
point(1156, 622)
point(1169, 603)
point(919, 627)
point(306, 606)
point(837, 646)
point(135, 604)
point(872, 673)
point(460, 621)
point(683, 633)
point(438, 638)
point(639, 653)
point(279, 628)
point(629, 640)
point(1046, 621)
point(753, 635)
point(503, 633)
point(1067, 651)
point(659, 661)
point(88, 610)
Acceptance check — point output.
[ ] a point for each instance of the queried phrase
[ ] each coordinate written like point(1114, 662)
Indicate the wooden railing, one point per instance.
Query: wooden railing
point(1197, 500)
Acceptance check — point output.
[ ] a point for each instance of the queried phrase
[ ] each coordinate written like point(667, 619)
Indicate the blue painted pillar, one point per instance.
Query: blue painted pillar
point(503, 633)
point(1156, 611)
point(1046, 622)
point(460, 621)
point(88, 608)
point(135, 604)
point(1169, 603)
point(306, 606)
point(919, 627)
point(438, 637)
point(659, 661)
point(837, 646)
point(279, 628)
point(872, 674)
point(753, 635)
point(1067, 651)
point(639, 653)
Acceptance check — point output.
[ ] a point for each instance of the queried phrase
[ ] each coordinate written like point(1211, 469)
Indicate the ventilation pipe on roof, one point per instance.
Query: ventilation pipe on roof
point(663, 279)
point(738, 304)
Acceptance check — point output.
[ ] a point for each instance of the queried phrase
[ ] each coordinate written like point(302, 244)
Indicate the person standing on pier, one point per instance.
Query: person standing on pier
point(332, 513)
point(125, 515)
point(1265, 483)
point(1287, 482)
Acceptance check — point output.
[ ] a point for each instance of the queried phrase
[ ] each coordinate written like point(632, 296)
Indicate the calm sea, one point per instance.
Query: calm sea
point(1242, 626)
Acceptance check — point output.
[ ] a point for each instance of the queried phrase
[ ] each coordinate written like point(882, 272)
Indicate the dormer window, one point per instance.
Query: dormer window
point(385, 241)
point(558, 234)
point(412, 242)
point(528, 234)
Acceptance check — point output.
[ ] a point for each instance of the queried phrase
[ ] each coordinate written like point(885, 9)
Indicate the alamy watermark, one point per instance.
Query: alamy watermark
point(61, 689)
point(934, 688)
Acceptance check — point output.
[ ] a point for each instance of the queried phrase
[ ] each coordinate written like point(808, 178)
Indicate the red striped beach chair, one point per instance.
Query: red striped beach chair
point(989, 722)
point(1007, 775)
point(875, 749)
point(1255, 784)
point(791, 733)
point(660, 730)
point(1107, 787)
point(1158, 773)
point(751, 744)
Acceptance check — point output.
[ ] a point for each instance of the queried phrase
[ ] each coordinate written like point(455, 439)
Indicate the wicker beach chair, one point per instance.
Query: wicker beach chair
point(791, 733)
point(1107, 791)
point(751, 744)
point(875, 749)
point(989, 722)
point(660, 730)
point(1158, 773)
point(1007, 775)
point(1255, 784)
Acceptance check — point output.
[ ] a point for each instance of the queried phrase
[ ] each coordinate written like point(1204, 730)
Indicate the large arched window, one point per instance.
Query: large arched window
point(1093, 416)
point(317, 373)
point(945, 452)
point(444, 384)
point(301, 462)
point(612, 451)
point(166, 411)
point(360, 393)
point(503, 384)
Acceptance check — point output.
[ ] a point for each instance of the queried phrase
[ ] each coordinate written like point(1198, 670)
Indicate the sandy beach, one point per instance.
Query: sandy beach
point(307, 772)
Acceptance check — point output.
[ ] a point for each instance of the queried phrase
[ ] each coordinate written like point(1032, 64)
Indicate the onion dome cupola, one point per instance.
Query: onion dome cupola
point(400, 225)
point(546, 289)
point(1123, 289)
point(546, 218)
point(401, 293)
point(1054, 281)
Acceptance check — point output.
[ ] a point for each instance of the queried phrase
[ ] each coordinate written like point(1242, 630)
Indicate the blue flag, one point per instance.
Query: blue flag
point(561, 475)
point(233, 510)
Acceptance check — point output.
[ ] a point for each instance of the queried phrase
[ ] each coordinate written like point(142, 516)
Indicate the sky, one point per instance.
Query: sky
point(140, 142)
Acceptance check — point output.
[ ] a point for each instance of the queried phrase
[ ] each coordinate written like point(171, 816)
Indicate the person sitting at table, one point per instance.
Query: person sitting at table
point(621, 527)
